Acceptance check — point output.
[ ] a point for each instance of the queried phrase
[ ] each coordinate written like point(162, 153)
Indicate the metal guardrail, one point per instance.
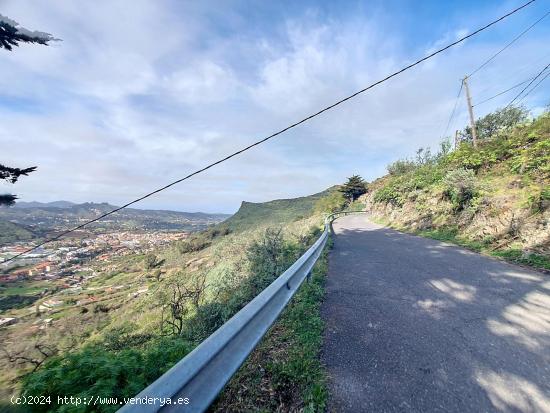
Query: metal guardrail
point(201, 375)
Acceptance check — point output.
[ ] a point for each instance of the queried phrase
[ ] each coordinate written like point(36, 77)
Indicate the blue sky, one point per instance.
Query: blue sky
point(141, 93)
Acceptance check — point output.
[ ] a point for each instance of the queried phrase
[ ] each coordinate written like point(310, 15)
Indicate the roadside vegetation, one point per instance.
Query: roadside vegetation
point(493, 199)
point(284, 373)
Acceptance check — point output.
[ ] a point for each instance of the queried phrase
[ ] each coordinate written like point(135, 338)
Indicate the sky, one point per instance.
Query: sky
point(140, 93)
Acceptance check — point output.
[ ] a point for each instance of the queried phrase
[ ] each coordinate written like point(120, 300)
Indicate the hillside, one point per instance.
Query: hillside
point(277, 212)
point(493, 199)
point(111, 316)
point(11, 232)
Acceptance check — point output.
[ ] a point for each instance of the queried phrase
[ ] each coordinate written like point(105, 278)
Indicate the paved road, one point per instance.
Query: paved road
point(417, 325)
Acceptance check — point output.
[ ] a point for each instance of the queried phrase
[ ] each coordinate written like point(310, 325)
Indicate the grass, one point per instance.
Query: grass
point(515, 255)
point(451, 235)
point(273, 213)
point(518, 256)
point(10, 232)
point(22, 288)
point(284, 373)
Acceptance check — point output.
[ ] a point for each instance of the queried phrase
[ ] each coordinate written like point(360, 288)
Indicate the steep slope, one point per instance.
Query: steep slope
point(495, 198)
point(273, 213)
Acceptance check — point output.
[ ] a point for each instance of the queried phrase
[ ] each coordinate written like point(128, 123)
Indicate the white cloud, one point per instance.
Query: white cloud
point(135, 97)
point(203, 82)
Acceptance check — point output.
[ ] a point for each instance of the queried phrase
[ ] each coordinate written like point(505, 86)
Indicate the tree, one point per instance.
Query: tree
point(11, 34)
point(495, 122)
point(150, 261)
point(181, 296)
point(354, 188)
point(35, 356)
point(11, 175)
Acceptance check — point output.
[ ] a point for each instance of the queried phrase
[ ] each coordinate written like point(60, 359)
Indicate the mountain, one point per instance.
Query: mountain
point(54, 216)
point(274, 213)
point(35, 204)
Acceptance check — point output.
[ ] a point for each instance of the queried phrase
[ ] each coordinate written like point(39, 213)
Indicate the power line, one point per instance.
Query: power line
point(339, 102)
point(523, 70)
point(534, 87)
point(454, 109)
point(509, 44)
point(529, 84)
point(483, 65)
point(502, 93)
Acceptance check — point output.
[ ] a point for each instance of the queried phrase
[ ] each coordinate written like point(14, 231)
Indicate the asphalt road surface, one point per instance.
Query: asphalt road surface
point(413, 324)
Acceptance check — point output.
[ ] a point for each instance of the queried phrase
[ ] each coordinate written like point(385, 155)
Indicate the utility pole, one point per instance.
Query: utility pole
point(457, 139)
point(471, 111)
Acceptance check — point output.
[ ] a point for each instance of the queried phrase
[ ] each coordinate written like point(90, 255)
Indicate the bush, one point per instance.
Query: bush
point(216, 231)
point(150, 261)
point(460, 187)
point(502, 119)
point(268, 257)
point(193, 244)
point(401, 167)
point(94, 371)
point(389, 194)
point(539, 200)
point(397, 188)
point(125, 337)
point(333, 202)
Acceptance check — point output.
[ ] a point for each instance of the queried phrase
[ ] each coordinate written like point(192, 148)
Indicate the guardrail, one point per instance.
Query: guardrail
point(202, 374)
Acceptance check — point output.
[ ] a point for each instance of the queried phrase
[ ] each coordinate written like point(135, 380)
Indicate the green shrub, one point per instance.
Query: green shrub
point(216, 231)
point(389, 194)
point(460, 187)
point(193, 244)
point(401, 166)
point(94, 371)
point(150, 261)
point(125, 337)
point(397, 188)
point(534, 158)
point(539, 200)
point(497, 121)
point(333, 202)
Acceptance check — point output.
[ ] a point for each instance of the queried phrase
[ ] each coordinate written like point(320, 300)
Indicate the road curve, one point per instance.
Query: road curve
point(413, 324)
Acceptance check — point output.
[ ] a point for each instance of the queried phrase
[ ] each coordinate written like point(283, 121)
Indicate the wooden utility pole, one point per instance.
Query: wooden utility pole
point(471, 111)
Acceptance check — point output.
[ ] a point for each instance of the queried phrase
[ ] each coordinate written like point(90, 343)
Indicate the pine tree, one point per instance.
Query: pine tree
point(354, 188)
point(11, 175)
point(11, 34)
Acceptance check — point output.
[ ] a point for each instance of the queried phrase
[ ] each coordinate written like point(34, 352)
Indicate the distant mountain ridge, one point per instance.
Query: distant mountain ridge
point(41, 218)
point(35, 204)
point(100, 205)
